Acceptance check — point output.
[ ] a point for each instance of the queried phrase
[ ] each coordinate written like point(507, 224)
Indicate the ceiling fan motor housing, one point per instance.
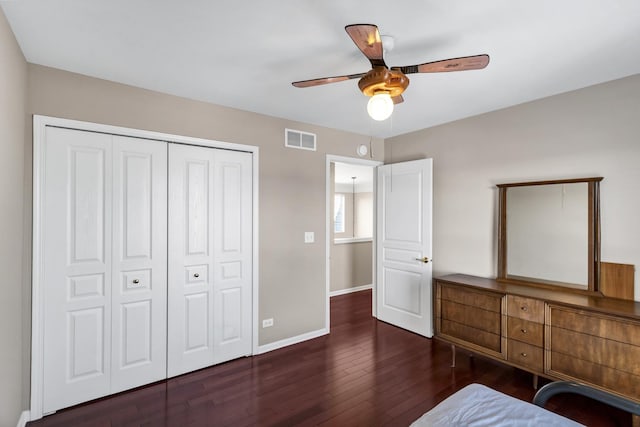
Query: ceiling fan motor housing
point(383, 80)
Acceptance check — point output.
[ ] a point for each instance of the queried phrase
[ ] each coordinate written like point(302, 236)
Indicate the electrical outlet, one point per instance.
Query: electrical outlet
point(309, 237)
point(267, 323)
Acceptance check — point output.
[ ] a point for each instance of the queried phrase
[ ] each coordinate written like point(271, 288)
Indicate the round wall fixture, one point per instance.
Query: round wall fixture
point(362, 150)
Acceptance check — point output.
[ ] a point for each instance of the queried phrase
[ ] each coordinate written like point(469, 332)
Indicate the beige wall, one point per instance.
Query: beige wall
point(292, 182)
point(589, 132)
point(351, 265)
point(13, 90)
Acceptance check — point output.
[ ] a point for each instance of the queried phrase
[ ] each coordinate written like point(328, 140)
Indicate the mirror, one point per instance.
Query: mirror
point(549, 233)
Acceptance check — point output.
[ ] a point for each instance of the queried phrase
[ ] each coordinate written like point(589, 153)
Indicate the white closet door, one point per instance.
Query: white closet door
point(190, 268)
point(104, 265)
point(139, 263)
point(76, 256)
point(210, 257)
point(232, 245)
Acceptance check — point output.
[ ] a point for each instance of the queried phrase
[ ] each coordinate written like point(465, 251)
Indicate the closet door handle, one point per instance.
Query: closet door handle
point(136, 281)
point(196, 275)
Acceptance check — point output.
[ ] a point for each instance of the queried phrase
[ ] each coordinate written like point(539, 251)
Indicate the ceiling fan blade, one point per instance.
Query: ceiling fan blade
point(397, 99)
point(367, 38)
point(326, 80)
point(476, 62)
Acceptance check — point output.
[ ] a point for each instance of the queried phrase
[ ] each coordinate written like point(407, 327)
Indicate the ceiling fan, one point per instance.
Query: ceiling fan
point(383, 84)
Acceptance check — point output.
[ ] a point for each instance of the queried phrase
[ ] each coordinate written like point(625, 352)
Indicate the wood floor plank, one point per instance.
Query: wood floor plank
point(365, 373)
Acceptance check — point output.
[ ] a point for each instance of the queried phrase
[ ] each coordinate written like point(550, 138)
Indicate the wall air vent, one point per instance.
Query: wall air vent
point(299, 139)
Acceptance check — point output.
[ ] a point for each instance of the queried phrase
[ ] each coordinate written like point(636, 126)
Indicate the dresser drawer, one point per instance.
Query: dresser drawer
point(595, 348)
point(471, 318)
point(594, 324)
point(466, 334)
point(525, 308)
point(465, 296)
point(568, 367)
point(471, 324)
point(525, 355)
point(525, 331)
point(475, 317)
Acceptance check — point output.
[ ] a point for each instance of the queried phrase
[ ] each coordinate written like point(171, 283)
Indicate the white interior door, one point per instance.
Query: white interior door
point(190, 315)
point(232, 245)
point(76, 267)
point(404, 204)
point(139, 263)
point(210, 273)
point(104, 261)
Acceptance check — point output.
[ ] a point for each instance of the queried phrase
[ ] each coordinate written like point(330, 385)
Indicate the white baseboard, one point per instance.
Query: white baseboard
point(290, 341)
point(24, 417)
point(349, 290)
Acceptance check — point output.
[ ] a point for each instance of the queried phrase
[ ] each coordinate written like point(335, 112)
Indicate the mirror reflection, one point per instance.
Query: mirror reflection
point(549, 233)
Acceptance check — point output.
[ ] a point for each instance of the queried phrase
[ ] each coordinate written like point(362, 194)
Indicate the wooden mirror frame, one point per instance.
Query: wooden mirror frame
point(593, 238)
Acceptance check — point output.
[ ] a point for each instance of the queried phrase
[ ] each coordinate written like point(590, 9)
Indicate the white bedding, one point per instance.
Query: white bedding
point(478, 406)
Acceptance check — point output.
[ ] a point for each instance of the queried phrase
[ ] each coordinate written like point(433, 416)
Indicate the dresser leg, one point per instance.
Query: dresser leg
point(453, 356)
point(635, 420)
point(535, 382)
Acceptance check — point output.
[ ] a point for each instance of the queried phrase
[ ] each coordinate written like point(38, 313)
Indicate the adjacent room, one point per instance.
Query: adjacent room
point(319, 213)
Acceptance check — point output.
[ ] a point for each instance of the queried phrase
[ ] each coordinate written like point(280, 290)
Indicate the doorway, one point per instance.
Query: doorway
point(351, 227)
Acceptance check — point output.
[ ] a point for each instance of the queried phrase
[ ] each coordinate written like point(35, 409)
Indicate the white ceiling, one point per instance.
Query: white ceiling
point(245, 54)
point(344, 174)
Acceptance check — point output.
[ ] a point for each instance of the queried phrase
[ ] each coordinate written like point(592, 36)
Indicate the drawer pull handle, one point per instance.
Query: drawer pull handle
point(196, 275)
point(524, 331)
point(523, 354)
point(136, 281)
point(523, 308)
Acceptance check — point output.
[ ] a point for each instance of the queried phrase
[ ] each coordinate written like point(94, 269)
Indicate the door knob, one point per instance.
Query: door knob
point(136, 281)
point(424, 259)
point(196, 275)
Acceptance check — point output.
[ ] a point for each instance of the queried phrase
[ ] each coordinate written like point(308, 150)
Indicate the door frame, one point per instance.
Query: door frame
point(331, 158)
point(40, 124)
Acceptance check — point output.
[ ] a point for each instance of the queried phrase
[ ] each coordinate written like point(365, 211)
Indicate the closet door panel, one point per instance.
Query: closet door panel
point(76, 253)
point(197, 321)
point(232, 244)
point(139, 298)
point(197, 194)
point(190, 314)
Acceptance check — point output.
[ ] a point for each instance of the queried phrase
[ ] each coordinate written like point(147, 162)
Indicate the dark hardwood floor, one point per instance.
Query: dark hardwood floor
point(365, 373)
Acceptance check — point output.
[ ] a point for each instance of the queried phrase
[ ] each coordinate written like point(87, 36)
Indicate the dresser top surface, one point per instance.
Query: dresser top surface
point(603, 304)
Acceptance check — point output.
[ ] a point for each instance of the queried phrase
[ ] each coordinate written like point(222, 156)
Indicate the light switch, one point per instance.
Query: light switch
point(309, 237)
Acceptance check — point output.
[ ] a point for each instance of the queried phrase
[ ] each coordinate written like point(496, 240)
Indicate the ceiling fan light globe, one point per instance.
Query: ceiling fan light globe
point(380, 106)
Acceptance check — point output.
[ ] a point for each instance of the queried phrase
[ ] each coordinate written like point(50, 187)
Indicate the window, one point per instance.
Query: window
point(338, 213)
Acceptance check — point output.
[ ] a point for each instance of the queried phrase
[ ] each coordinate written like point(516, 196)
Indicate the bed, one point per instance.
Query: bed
point(478, 406)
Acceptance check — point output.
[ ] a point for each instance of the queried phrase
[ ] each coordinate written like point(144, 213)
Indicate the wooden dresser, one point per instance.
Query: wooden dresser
point(556, 334)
